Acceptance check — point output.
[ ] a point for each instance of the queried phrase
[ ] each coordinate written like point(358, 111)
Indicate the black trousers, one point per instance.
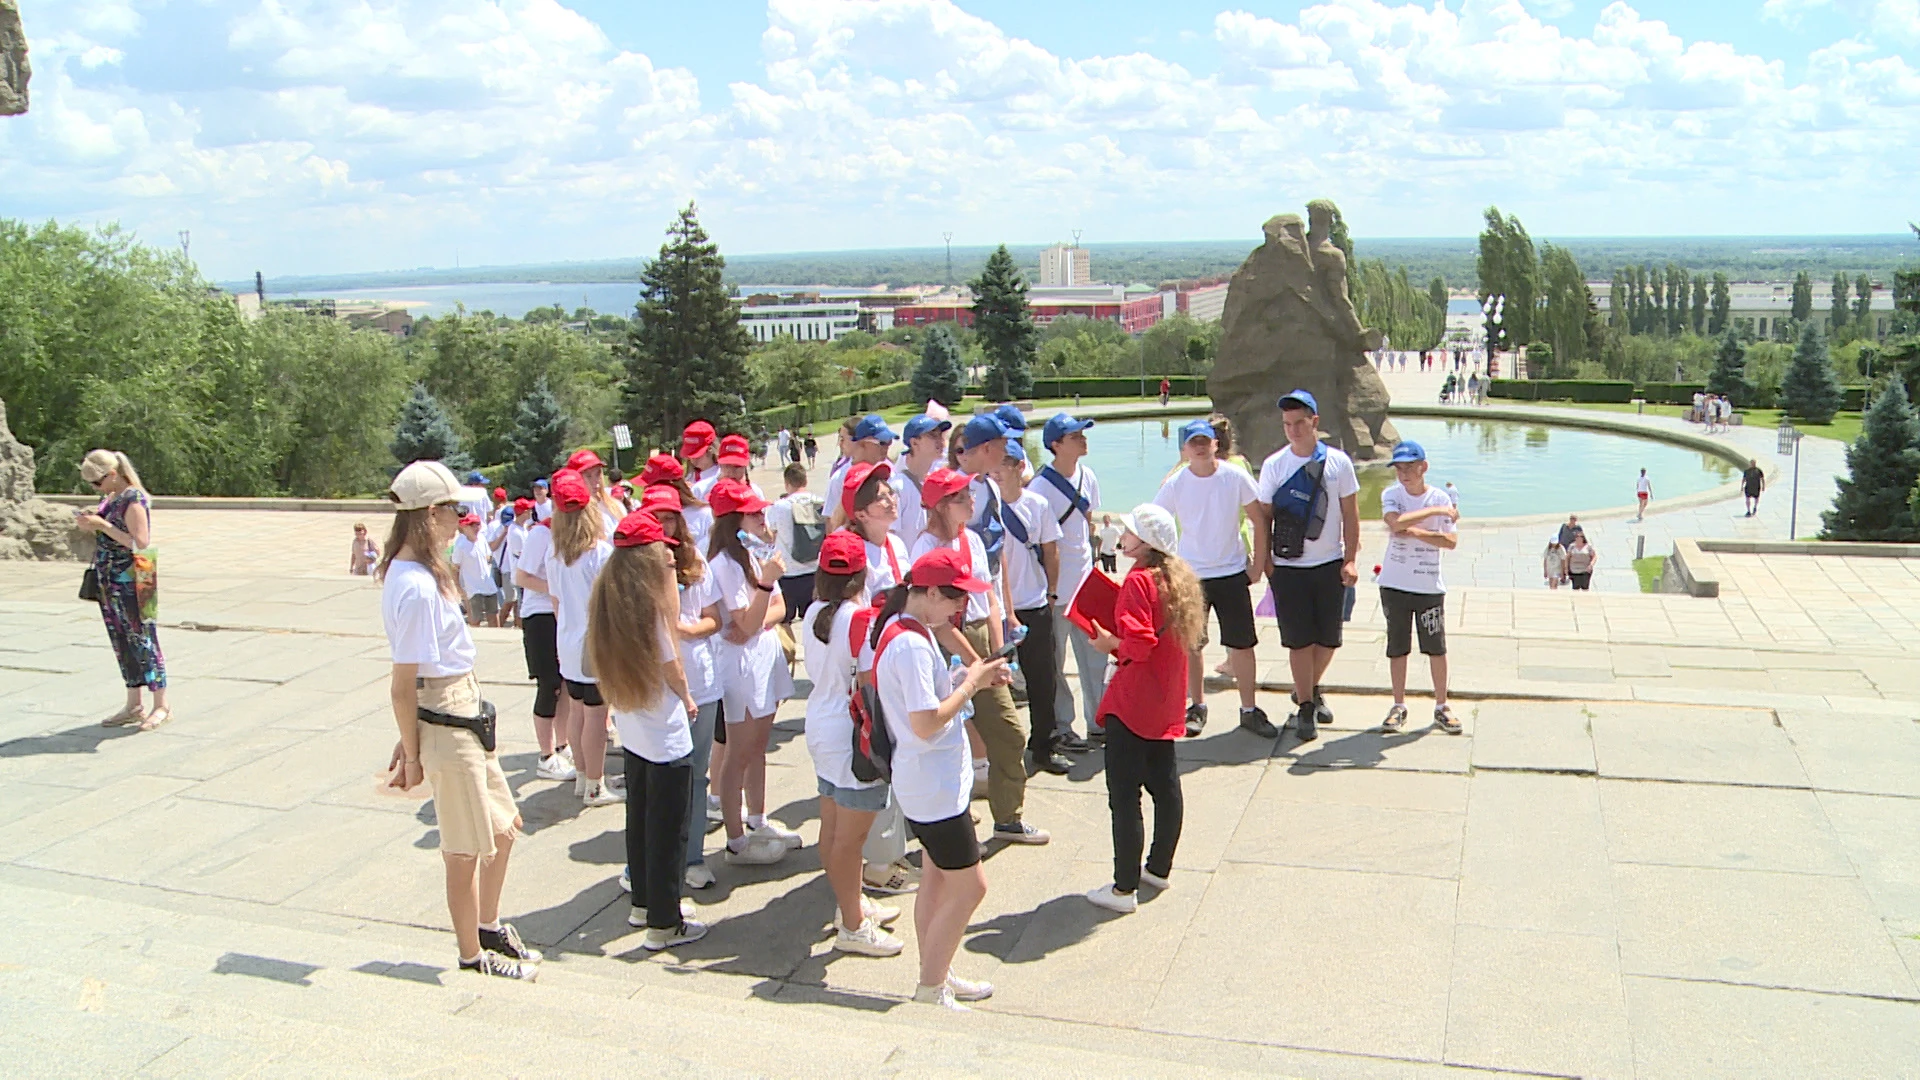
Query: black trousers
point(1134, 763)
point(657, 835)
point(1042, 670)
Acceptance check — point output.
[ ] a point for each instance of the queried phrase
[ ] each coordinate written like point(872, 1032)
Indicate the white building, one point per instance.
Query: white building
point(1766, 307)
point(1065, 265)
point(823, 320)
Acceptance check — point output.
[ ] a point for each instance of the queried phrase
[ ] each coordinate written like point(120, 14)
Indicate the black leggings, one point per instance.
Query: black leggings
point(657, 835)
point(1134, 763)
point(543, 662)
point(1042, 669)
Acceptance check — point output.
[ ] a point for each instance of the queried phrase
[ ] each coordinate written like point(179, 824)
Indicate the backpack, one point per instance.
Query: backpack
point(1299, 508)
point(809, 528)
point(872, 741)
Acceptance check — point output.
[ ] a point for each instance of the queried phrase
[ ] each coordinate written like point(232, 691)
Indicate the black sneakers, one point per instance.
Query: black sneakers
point(1052, 761)
point(506, 941)
point(1304, 722)
point(1255, 720)
point(502, 967)
point(1072, 744)
point(1196, 719)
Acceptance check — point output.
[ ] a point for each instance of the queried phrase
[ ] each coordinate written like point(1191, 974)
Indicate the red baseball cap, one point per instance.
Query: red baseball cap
point(640, 527)
point(469, 519)
point(941, 483)
point(499, 494)
point(661, 498)
point(734, 497)
point(843, 553)
point(661, 468)
point(523, 506)
point(569, 490)
point(857, 475)
point(734, 450)
point(696, 440)
point(620, 490)
point(582, 460)
point(942, 566)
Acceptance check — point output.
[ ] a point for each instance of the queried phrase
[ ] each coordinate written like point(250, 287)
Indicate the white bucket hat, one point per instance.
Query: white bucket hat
point(1154, 525)
point(427, 483)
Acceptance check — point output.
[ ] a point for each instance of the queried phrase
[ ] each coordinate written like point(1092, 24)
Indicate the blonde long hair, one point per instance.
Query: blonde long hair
point(413, 531)
point(576, 531)
point(99, 463)
point(1180, 595)
point(632, 600)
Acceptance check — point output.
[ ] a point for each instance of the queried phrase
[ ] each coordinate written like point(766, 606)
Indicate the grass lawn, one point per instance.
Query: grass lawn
point(1650, 570)
point(1845, 426)
point(900, 414)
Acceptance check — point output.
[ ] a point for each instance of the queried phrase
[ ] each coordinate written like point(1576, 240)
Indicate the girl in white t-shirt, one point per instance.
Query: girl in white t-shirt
point(932, 766)
point(753, 673)
point(580, 548)
point(630, 641)
point(698, 622)
point(847, 803)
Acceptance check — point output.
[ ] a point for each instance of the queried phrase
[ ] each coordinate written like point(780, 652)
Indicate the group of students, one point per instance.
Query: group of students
point(941, 565)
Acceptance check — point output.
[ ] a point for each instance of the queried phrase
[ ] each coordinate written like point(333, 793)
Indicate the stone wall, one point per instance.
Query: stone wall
point(31, 527)
point(14, 71)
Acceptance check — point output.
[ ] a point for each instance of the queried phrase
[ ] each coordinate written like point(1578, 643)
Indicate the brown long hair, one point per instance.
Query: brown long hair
point(688, 566)
point(864, 496)
point(940, 511)
point(413, 531)
point(834, 590)
point(632, 601)
point(687, 497)
point(1180, 596)
point(725, 540)
point(576, 531)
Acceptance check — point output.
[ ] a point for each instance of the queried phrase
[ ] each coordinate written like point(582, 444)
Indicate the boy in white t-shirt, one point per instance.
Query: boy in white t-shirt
point(474, 560)
point(1413, 597)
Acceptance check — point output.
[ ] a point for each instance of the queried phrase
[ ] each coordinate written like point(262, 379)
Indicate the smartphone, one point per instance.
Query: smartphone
point(1006, 651)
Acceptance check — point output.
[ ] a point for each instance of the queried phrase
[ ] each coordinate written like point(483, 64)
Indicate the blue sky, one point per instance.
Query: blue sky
point(308, 136)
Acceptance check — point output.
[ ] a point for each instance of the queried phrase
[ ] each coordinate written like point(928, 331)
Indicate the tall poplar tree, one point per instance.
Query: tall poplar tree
point(1005, 325)
point(1700, 305)
point(1508, 266)
point(1837, 311)
point(1863, 304)
point(1802, 309)
point(685, 351)
point(1722, 304)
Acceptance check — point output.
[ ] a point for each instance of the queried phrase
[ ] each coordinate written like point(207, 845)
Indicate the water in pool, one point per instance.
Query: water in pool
point(1501, 468)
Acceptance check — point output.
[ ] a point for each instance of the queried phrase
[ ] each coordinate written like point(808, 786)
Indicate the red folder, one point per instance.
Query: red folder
point(1094, 604)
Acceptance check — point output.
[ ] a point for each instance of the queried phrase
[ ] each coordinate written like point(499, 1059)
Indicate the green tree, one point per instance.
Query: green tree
point(1802, 308)
point(1564, 315)
point(1700, 305)
point(939, 376)
point(1875, 500)
point(539, 440)
point(1863, 304)
point(1005, 326)
point(1677, 292)
point(1438, 298)
point(425, 433)
point(1810, 390)
point(1722, 304)
point(685, 351)
point(1176, 346)
point(1729, 375)
point(338, 392)
point(1620, 302)
point(1388, 300)
point(790, 372)
point(1508, 266)
point(1837, 312)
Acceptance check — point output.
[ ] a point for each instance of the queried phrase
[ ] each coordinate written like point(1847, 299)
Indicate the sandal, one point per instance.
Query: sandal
point(1396, 719)
point(1443, 719)
point(156, 718)
point(127, 717)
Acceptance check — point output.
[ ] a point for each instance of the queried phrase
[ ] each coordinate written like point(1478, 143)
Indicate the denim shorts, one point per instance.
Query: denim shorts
point(869, 800)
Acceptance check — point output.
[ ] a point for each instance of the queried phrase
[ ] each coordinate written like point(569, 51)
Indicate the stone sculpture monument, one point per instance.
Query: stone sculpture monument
point(14, 71)
point(1290, 323)
point(32, 527)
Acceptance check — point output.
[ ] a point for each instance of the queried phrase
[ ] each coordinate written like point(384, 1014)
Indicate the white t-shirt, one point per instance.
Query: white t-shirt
point(974, 553)
point(1338, 482)
point(749, 663)
point(780, 520)
point(543, 509)
point(699, 521)
point(829, 721)
point(658, 732)
point(913, 516)
point(1412, 565)
point(1026, 575)
point(1208, 511)
point(696, 655)
point(932, 778)
point(475, 563)
point(423, 626)
point(572, 589)
point(1643, 486)
point(1076, 541)
point(510, 551)
point(534, 549)
point(881, 564)
point(701, 480)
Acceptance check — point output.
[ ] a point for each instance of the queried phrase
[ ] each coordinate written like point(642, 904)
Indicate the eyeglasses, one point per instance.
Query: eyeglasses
point(96, 482)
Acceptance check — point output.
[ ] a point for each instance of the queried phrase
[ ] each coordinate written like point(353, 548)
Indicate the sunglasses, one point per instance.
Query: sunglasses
point(96, 482)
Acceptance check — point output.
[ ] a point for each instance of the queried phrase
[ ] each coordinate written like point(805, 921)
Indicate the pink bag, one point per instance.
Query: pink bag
point(1265, 606)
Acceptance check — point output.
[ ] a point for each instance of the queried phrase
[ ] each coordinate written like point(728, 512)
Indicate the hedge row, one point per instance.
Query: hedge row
point(857, 403)
point(1183, 386)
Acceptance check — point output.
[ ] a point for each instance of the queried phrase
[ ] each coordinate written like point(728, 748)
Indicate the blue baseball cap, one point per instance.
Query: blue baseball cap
point(1408, 451)
point(983, 428)
point(1196, 429)
point(871, 426)
point(1059, 427)
point(1012, 417)
point(541, 482)
point(922, 424)
point(1016, 451)
point(476, 477)
point(1303, 400)
point(506, 513)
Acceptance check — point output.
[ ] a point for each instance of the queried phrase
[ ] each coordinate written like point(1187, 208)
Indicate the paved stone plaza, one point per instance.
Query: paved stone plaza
point(1676, 840)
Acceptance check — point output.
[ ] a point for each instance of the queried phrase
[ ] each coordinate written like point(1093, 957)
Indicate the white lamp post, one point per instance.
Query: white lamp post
point(1789, 445)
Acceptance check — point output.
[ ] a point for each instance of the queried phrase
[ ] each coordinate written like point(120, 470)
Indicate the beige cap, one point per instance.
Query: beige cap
point(425, 483)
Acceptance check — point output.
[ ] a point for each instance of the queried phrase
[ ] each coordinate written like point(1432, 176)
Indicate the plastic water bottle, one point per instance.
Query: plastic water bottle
point(1015, 636)
point(762, 550)
point(957, 674)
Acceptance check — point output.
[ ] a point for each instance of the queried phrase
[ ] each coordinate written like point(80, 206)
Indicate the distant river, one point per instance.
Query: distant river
point(514, 299)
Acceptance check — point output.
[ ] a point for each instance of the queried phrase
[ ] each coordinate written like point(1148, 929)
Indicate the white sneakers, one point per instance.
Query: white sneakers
point(868, 940)
point(892, 879)
point(773, 830)
point(714, 813)
point(1106, 897)
point(599, 793)
point(688, 930)
point(758, 850)
point(557, 766)
point(951, 993)
point(699, 877)
point(1155, 880)
point(637, 916)
point(884, 914)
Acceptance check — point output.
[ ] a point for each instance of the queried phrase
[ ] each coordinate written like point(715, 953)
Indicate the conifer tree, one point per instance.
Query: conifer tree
point(426, 433)
point(1810, 390)
point(940, 376)
point(1005, 326)
point(1875, 500)
point(538, 440)
point(1729, 375)
point(685, 352)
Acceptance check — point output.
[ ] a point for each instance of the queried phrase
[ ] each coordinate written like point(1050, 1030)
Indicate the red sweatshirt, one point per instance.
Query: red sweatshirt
point(1149, 690)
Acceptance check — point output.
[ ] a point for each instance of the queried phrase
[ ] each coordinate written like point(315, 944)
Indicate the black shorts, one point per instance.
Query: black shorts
point(951, 843)
point(797, 591)
point(1309, 601)
point(1410, 611)
point(586, 693)
point(1230, 598)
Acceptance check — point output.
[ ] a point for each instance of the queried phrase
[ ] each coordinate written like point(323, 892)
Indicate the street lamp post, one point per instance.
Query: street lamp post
point(1493, 307)
point(1790, 437)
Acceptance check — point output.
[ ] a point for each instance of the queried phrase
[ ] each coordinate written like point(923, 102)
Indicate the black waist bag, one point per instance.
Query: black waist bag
point(482, 726)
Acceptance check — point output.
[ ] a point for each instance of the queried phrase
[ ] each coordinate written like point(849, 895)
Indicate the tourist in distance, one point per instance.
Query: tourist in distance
point(631, 644)
point(363, 554)
point(1642, 491)
point(783, 443)
point(799, 523)
point(848, 805)
point(1107, 544)
point(1553, 564)
point(556, 722)
point(1166, 392)
point(1031, 564)
point(1207, 498)
point(753, 680)
point(697, 445)
point(122, 523)
point(1307, 522)
point(1160, 616)
point(473, 559)
point(1453, 495)
point(812, 447)
point(444, 726)
point(1580, 562)
point(932, 767)
point(1752, 482)
point(1571, 529)
point(1420, 525)
point(926, 443)
point(694, 629)
point(579, 549)
point(1072, 492)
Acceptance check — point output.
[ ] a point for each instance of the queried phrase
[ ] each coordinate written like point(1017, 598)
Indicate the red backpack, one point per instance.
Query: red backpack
point(872, 741)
